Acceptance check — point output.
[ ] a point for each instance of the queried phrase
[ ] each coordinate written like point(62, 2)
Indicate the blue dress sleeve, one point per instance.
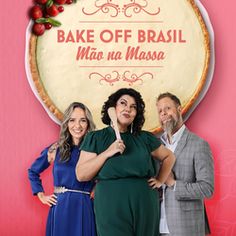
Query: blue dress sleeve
point(39, 165)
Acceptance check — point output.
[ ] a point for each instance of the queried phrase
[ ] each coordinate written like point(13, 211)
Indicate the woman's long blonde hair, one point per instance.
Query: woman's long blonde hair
point(65, 140)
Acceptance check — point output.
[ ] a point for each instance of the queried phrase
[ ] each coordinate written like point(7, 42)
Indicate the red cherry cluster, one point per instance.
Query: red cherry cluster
point(43, 12)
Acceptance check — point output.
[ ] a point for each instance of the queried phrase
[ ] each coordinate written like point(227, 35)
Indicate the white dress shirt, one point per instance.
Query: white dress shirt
point(172, 146)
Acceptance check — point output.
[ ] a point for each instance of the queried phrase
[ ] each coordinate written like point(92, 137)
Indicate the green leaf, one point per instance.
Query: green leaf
point(75, 1)
point(49, 3)
point(54, 22)
point(48, 20)
point(42, 20)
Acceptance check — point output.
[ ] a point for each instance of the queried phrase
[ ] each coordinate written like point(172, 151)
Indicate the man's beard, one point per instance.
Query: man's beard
point(171, 125)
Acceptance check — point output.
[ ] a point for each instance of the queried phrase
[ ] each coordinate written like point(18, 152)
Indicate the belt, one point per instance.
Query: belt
point(64, 189)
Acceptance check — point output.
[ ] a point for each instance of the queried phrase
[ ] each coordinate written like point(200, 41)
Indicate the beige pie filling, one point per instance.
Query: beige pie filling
point(162, 47)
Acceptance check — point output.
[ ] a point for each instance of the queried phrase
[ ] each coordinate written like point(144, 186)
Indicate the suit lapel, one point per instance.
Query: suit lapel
point(182, 142)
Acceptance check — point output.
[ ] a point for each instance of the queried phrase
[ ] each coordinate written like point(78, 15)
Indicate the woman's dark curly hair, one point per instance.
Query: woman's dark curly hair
point(112, 101)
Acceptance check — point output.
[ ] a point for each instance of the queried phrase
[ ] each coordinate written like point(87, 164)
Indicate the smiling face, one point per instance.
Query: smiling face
point(77, 125)
point(126, 111)
point(169, 115)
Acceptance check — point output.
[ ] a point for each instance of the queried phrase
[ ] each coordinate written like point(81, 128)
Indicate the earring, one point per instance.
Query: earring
point(131, 127)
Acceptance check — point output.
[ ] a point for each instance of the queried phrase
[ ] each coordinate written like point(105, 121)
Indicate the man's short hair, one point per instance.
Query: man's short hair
point(171, 96)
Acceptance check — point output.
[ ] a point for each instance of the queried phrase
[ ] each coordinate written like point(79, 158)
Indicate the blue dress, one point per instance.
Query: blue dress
point(73, 213)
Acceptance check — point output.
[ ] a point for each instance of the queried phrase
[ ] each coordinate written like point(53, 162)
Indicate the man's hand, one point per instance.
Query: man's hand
point(170, 182)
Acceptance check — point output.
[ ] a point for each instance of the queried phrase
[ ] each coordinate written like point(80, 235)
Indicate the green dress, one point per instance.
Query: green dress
point(124, 203)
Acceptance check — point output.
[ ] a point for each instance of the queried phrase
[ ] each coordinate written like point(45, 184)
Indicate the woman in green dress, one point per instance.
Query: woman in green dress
point(126, 202)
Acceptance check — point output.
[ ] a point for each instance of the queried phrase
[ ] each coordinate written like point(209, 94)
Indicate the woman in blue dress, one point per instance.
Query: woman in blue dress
point(71, 208)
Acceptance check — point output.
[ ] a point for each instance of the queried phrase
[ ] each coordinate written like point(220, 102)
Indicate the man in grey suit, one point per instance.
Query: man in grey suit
point(192, 179)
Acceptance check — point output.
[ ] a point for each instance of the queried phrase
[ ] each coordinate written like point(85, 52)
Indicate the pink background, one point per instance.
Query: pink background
point(26, 128)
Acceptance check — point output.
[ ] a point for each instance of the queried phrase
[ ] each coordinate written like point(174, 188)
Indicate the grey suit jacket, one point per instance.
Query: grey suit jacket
point(194, 173)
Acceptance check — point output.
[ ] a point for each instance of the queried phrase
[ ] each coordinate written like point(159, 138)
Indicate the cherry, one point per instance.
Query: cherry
point(48, 26)
point(41, 1)
point(60, 8)
point(44, 12)
point(36, 12)
point(52, 10)
point(60, 2)
point(38, 28)
point(69, 1)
